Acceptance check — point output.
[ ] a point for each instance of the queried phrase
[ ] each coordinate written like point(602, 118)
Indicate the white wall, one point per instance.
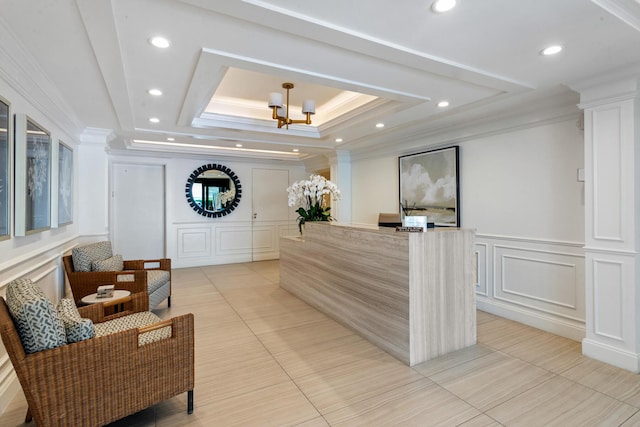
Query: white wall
point(35, 256)
point(194, 240)
point(519, 191)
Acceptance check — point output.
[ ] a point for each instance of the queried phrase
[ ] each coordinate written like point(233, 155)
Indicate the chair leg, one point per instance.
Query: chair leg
point(28, 417)
point(190, 402)
point(169, 301)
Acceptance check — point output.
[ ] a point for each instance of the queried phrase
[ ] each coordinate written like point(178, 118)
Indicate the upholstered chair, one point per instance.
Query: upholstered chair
point(80, 367)
point(94, 265)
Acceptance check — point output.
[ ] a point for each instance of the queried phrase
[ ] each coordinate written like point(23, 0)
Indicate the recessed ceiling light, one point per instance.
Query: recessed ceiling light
point(160, 42)
point(551, 50)
point(239, 145)
point(443, 104)
point(155, 92)
point(380, 125)
point(441, 6)
point(154, 120)
point(295, 150)
point(338, 139)
point(171, 139)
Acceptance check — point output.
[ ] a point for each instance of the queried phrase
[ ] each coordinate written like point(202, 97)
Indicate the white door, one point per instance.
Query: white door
point(138, 211)
point(270, 210)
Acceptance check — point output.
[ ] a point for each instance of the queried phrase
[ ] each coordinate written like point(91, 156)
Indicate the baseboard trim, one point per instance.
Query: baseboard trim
point(563, 327)
point(611, 355)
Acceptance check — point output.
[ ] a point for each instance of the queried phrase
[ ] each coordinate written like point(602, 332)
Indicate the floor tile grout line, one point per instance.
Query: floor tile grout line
point(273, 357)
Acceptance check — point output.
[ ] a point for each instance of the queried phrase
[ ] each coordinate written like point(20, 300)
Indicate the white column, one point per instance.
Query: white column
point(612, 219)
point(341, 176)
point(93, 185)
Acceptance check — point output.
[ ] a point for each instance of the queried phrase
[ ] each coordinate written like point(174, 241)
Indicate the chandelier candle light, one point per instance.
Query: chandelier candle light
point(281, 113)
point(310, 196)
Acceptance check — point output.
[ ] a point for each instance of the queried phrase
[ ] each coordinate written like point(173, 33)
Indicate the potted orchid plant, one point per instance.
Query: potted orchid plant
point(311, 197)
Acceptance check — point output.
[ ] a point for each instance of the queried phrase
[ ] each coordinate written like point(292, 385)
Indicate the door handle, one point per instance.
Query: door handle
point(255, 215)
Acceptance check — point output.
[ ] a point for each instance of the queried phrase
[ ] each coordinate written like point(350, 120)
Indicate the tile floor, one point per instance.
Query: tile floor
point(265, 358)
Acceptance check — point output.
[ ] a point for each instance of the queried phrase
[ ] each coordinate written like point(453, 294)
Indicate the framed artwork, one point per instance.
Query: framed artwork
point(429, 186)
point(5, 172)
point(33, 176)
point(65, 184)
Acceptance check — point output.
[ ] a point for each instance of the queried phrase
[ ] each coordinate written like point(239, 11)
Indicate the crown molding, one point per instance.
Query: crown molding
point(22, 73)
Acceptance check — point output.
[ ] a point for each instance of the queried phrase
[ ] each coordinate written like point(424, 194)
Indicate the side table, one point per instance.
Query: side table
point(117, 294)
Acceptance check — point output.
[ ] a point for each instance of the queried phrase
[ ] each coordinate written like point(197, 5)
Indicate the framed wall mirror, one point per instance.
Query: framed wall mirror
point(213, 190)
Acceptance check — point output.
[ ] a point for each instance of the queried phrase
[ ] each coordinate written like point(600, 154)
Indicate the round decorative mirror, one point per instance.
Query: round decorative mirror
point(213, 190)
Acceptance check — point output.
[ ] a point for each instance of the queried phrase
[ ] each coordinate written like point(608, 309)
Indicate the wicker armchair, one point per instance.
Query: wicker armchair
point(133, 278)
point(100, 380)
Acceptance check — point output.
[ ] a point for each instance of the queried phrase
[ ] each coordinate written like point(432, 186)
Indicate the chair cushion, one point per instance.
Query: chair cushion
point(115, 263)
point(83, 256)
point(76, 328)
point(38, 323)
point(132, 321)
point(156, 279)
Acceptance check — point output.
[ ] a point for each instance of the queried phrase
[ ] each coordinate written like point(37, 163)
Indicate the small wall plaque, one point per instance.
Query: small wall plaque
point(410, 229)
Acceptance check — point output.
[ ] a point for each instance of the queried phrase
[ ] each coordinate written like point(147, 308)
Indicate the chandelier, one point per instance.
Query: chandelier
point(281, 112)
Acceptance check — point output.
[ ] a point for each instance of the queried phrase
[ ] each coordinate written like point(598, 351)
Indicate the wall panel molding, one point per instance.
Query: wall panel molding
point(534, 281)
point(608, 298)
point(482, 266)
point(194, 242)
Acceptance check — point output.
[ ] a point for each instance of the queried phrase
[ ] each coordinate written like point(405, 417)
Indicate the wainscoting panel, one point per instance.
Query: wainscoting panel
point(540, 279)
point(482, 265)
point(194, 242)
point(266, 238)
point(536, 282)
point(233, 240)
point(608, 289)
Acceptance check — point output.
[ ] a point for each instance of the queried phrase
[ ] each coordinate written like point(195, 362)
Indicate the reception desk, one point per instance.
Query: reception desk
point(412, 294)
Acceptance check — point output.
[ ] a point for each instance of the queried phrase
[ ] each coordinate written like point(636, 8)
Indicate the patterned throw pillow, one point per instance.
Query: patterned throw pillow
point(115, 263)
point(83, 256)
point(77, 329)
point(39, 326)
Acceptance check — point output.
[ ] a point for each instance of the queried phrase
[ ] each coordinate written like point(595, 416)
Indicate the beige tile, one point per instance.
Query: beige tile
point(487, 381)
point(247, 280)
point(548, 351)
point(217, 380)
point(277, 405)
point(420, 403)
point(481, 421)
point(262, 302)
point(483, 317)
point(316, 422)
point(634, 421)
point(347, 384)
point(288, 319)
point(452, 359)
point(501, 333)
point(615, 382)
point(326, 355)
point(563, 403)
point(300, 337)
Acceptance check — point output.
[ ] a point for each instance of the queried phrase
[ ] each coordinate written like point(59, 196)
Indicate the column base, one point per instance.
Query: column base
point(611, 355)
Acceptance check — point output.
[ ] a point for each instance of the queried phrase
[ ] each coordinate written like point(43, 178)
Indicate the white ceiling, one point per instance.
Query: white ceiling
point(363, 61)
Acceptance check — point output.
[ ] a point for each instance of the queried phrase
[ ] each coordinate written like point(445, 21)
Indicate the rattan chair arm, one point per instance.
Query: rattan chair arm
point(143, 264)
